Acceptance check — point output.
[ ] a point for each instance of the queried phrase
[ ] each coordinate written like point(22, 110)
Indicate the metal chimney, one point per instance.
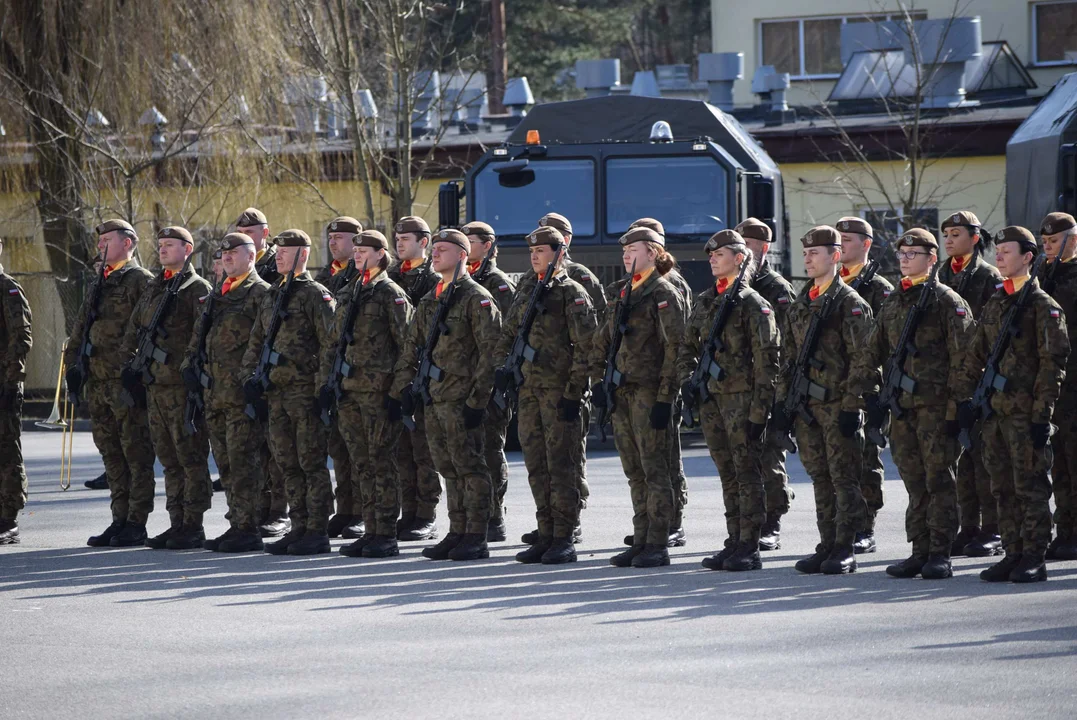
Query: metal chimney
point(424, 111)
point(719, 71)
point(304, 94)
point(597, 77)
point(645, 84)
point(943, 47)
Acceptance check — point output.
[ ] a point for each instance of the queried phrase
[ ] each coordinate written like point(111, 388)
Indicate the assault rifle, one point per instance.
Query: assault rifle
point(195, 407)
point(801, 386)
point(484, 269)
point(255, 388)
point(420, 385)
point(613, 378)
point(866, 275)
point(78, 375)
point(327, 403)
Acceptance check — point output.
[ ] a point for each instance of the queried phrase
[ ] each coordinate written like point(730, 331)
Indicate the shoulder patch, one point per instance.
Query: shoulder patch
point(327, 297)
point(663, 304)
point(783, 300)
point(960, 311)
point(1054, 312)
point(203, 298)
point(581, 301)
point(485, 302)
point(399, 300)
point(503, 288)
point(886, 293)
point(586, 278)
point(765, 310)
point(999, 285)
point(13, 291)
point(857, 310)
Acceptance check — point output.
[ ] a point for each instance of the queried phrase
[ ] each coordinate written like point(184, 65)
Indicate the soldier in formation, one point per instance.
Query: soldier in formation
point(15, 342)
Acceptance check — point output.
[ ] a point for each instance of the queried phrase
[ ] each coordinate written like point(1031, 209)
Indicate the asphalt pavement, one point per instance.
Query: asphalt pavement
point(137, 633)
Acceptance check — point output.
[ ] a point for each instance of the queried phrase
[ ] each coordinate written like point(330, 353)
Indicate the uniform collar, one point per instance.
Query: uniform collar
point(849, 272)
point(641, 277)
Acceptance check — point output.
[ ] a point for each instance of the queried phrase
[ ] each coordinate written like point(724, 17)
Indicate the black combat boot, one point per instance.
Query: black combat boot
point(841, 561)
point(746, 557)
point(9, 532)
point(533, 554)
point(214, 544)
point(280, 547)
point(770, 535)
point(242, 540)
point(1067, 550)
point(530, 538)
point(354, 531)
point(1000, 571)
point(495, 530)
point(355, 549)
point(422, 529)
point(98, 483)
point(986, 543)
point(937, 567)
point(677, 537)
point(160, 542)
point(381, 546)
point(276, 526)
point(811, 565)
point(630, 540)
point(218, 486)
point(717, 560)
point(191, 536)
point(132, 535)
point(313, 542)
point(966, 535)
point(625, 558)
point(910, 567)
point(105, 538)
point(1031, 569)
point(338, 522)
point(560, 552)
point(865, 542)
point(471, 547)
point(652, 556)
point(442, 549)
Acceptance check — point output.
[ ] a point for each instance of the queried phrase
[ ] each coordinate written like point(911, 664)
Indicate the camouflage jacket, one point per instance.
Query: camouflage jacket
point(976, 283)
point(466, 354)
point(874, 292)
point(15, 337)
point(332, 282)
point(416, 282)
point(589, 281)
point(561, 336)
point(648, 352)
point(1035, 363)
point(775, 289)
point(234, 315)
point(176, 326)
point(500, 287)
point(941, 338)
point(379, 335)
point(752, 348)
point(119, 296)
point(1063, 290)
point(303, 336)
point(841, 339)
point(266, 266)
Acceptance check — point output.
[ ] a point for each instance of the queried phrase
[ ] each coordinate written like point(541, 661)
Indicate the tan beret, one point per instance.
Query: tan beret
point(1017, 234)
point(412, 224)
point(478, 228)
point(755, 229)
point(918, 237)
point(234, 239)
point(371, 238)
point(176, 233)
point(116, 225)
point(963, 218)
point(724, 238)
point(455, 237)
point(250, 217)
point(854, 225)
point(642, 234)
point(558, 221)
point(345, 224)
point(545, 236)
point(649, 223)
point(292, 238)
point(1057, 222)
point(821, 236)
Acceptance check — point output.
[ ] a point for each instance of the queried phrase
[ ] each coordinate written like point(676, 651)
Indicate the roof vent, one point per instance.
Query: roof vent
point(424, 113)
point(943, 47)
point(645, 84)
point(597, 77)
point(719, 71)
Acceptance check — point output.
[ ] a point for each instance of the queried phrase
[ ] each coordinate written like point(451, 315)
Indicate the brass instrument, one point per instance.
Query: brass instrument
point(62, 418)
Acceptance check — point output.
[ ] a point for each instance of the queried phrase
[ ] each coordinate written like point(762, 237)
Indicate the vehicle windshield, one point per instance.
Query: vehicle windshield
point(561, 186)
point(688, 195)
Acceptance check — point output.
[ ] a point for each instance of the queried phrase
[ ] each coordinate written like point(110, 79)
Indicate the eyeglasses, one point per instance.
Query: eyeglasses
point(910, 254)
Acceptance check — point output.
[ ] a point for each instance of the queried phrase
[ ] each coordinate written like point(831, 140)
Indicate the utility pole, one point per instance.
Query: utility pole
point(499, 63)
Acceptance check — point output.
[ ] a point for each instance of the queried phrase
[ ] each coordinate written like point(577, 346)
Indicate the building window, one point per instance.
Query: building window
point(1054, 33)
point(811, 47)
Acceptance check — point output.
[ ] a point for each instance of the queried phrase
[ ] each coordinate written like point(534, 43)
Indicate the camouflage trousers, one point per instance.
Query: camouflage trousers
point(1064, 469)
point(976, 505)
point(347, 476)
point(833, 461)
point(185, 458)
point(13, 485)
point(237, 443)
point(420, 488)
point(496, 425)
point(550, 446)
point(274, 494)
point(677, 479)
point(739, 461)
point(1019, 483)
point(122, 436)
point(372, 442)
point(297, 440)
point(775, 478)
point(927, 459)
point(581, 457)
point(872, 476)
point(644, 455)
point(460, 458)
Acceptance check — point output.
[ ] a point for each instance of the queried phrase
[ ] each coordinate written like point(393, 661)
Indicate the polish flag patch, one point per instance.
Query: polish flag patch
point(663, 305)
point(13, 291)
point(999, 285)
point(503, 288)
point(485, 302)
point(203, 299)
point(857, 311)
point(587, 278)
point(961, 312)
point(766, 310)
point(1054, 313)
point(327, 297)
point(886, 293)
point(399, 301)
point(581, 301)
point(783, 300)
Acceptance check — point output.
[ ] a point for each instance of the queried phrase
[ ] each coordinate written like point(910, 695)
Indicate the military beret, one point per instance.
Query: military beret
point(961, 218)
point(1017, 234)
point(649, 223)
point(455, 237)
point(478, 228)
point(371, 238)
point(918, 237)
point(1057, 222)
point(755, 229)
point(642, 234)
point(546, 236)
point(117, 225)
point(251, 216)
point(854, 225)
point(724, 238)
point(292, 238)
point(234, 239)
point(821, 236)
point(177, 233)
point(555, 220)
point(345, 224)
point(217, 254)
point(412, 224)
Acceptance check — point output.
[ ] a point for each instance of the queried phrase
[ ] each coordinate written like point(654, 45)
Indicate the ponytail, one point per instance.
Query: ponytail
point(663, 261)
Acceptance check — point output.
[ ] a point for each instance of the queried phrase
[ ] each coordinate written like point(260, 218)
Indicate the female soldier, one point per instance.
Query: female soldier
point(734, 419)
point(642, 405)
point(368, 418)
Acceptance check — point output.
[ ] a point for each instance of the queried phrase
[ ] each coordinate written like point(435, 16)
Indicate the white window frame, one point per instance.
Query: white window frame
point(1034, 44)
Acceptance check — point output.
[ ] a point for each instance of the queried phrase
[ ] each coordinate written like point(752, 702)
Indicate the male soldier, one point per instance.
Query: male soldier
point(924, 430)
point(121, 433)
point(495, 426)
point(1017, 434)
point(1059, 231)
point(856, 239)
point(252, 222)
point(830, 445)
point(975, 281)
point(236, 439)
point(15, 342)
point(218, 267)
point(296, 435)
point(420, 488)
point(779, 293)
point(337, 274)
point(188, 489)
point(466, 357)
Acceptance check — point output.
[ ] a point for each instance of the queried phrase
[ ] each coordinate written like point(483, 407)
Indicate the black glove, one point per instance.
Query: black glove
point(756, 430)
point(1041, 435)
point(407, 403)
point(191, 381)
point(130, 377)
point(568, 410)
point(778, 418)
point(252, 391)
point(686, 392)
point(952, 428)
point(501, 378)
point(661, 412)
point(74, 381)
point(966, 415)
point(876, 417)
point(472, 417)
point(598, 397)
point(10, 397)
point(325, 397)
point(395, 408)
point(848, 422)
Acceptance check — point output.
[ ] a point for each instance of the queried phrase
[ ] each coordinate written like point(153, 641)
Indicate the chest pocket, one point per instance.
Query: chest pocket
point(371, 320)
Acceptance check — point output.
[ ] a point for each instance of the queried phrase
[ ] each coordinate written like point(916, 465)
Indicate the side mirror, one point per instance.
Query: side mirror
point(514, 174)
point(449, 204)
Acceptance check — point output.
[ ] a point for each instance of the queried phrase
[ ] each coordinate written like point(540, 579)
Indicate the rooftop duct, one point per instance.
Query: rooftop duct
point(719, 71)
point(597, 77)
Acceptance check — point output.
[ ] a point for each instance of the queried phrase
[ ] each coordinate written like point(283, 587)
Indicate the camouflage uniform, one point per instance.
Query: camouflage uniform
point(274, 494)
point(1062, 287)
point(121, 434)
point(296, 436)
point(15, 342)
point(266, 266)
